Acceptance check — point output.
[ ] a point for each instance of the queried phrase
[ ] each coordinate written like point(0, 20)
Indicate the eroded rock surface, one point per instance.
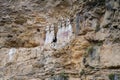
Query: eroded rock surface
point(59, 40)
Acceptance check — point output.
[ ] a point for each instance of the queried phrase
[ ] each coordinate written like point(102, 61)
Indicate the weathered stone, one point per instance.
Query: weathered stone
point(30, 51)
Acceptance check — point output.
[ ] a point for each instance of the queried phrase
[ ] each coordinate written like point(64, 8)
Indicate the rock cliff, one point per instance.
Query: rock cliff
point(60, 40)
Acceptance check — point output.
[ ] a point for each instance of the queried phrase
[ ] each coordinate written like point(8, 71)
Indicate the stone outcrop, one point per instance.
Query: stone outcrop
point(59, 40)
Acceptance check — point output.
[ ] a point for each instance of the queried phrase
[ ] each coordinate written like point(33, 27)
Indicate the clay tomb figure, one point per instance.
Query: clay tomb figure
point(58, 32)
point(47, 35)
point(51, 35)
point(11, 52)
point(69, 29)
point(64, 34)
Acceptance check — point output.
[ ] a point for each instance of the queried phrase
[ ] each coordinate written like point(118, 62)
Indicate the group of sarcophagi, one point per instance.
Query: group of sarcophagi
point(64, 33)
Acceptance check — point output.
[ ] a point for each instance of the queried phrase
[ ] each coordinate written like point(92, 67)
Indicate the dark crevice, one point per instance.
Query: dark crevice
point(9, 36)
point(55, 39)
point(38, 30)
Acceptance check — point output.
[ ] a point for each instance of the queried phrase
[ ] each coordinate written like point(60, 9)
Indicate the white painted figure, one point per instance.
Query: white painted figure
point(47, 35)
point(69, 29)
point(66, 32)
point(51, 36)
point(59, 33)
point(11, 52)
point(63, 35)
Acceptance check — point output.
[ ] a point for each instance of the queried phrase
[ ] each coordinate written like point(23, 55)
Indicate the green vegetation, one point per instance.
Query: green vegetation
point(111, 76)
point(63, 75)
point(89, 49)
point(114, 76)
point(82, 72)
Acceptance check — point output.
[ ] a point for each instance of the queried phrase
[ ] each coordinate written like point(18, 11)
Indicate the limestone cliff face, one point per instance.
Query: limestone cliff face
point(59, 40)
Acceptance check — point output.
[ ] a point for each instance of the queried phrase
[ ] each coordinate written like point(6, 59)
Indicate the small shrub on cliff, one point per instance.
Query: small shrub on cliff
point(82, 72)
point(111, 76)
point(114, 76)
point(63, 76)
point(89, 50)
